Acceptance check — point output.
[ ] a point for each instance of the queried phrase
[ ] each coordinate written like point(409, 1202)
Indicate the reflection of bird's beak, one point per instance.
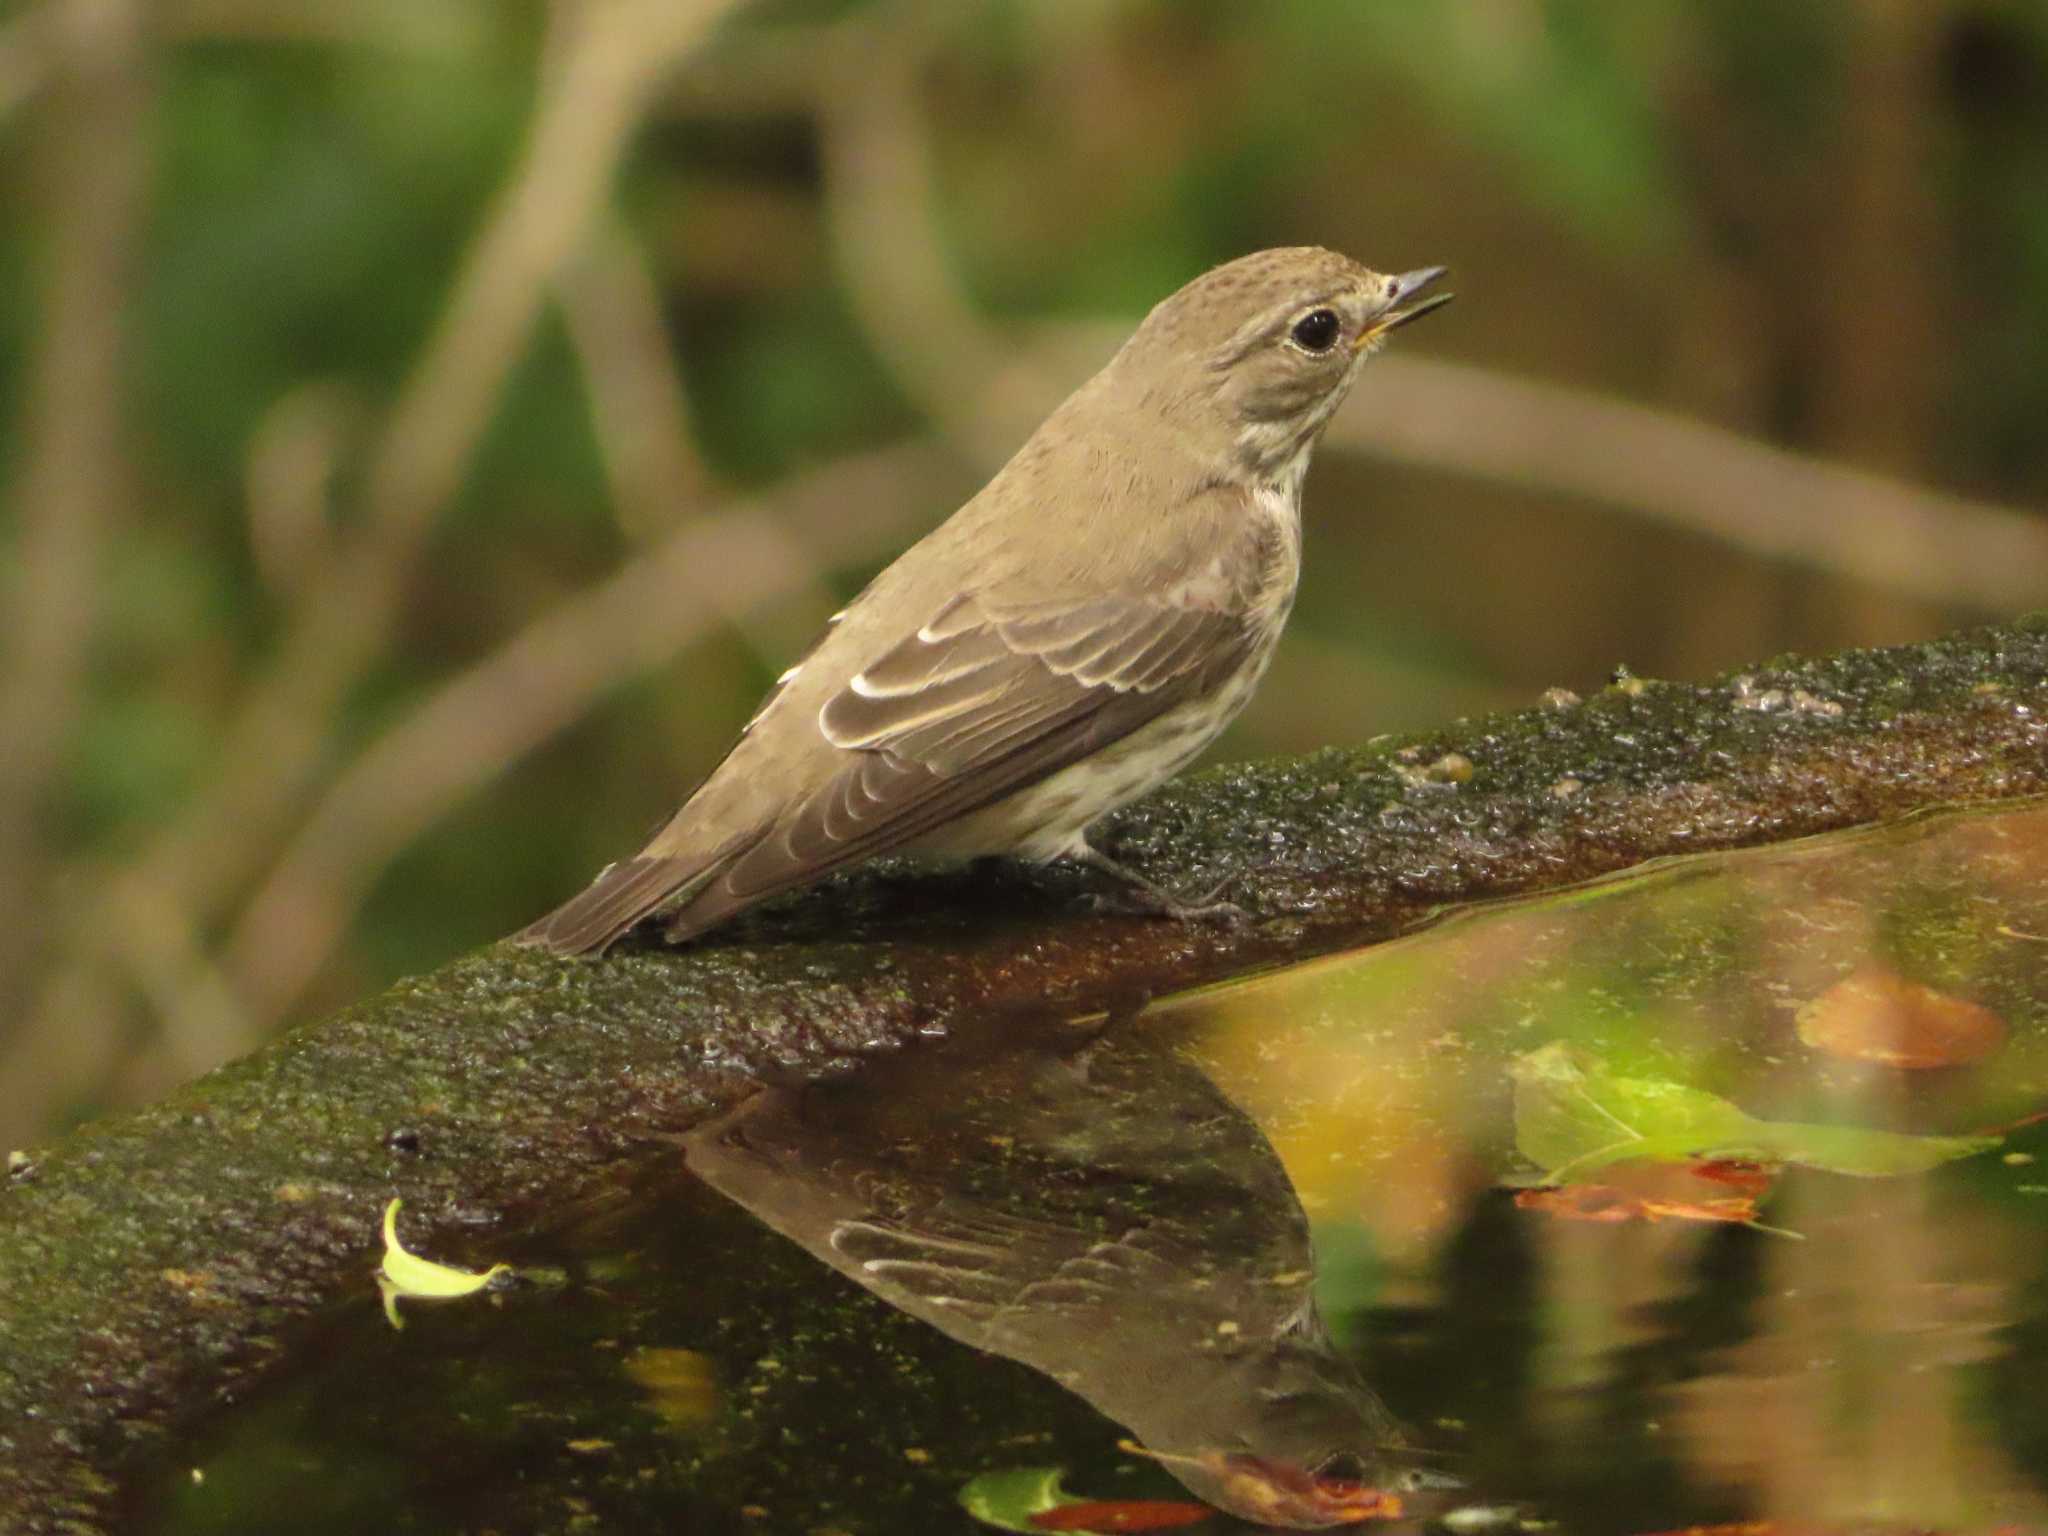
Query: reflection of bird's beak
point(1406, 286)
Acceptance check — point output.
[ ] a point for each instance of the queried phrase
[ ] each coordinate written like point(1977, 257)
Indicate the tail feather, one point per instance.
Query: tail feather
point(708, 905)
point(597, 917)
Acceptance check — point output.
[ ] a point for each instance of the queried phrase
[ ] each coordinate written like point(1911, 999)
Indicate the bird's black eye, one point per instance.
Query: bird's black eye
point(1317, 330)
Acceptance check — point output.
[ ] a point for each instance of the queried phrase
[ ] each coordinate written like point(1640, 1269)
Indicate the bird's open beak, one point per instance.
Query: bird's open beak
point(1399, 312)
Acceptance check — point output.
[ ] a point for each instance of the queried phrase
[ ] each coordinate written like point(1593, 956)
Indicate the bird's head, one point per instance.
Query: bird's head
point(1249, 360)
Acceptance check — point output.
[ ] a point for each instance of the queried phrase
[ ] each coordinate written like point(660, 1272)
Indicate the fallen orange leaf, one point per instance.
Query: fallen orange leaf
point(1882, 1017)
point(1660, 1192)
point(1750, 1178)
point(1602, 1202)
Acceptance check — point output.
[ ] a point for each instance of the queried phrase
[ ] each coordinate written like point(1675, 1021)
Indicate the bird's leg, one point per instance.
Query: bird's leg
point(1150, 896)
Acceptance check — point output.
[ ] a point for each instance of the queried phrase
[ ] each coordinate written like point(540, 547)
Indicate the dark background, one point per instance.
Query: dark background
point(425, 429)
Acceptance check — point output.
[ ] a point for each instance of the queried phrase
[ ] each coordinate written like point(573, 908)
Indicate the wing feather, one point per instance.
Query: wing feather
point(858, 719)
point(1088, 643)
point(911, 669)
point(947, 745)
point(968, 710)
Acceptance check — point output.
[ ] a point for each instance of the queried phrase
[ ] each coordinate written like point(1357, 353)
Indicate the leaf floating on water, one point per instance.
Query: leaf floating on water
point(1031, 1499)
point(1008, 1499)
point(405, 1276)
point(1882, 1017)
point(1573, 1116)
point(1605, 1203)
point(421, 1279)
point(1753, 1179)
point(1656, 1192)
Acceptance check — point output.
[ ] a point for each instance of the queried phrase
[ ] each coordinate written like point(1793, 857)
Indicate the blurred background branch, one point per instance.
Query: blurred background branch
point(424, 430)
point(1831, 518)
point(71, 488)
point(28, 49)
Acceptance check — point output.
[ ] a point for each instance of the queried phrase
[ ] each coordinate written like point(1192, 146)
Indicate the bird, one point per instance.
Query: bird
point(1069, 639)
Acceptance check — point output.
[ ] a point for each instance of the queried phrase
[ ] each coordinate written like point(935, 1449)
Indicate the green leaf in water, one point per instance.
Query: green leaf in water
point(1009, 1498)
point(1573, 1116)
point(1031, 1499)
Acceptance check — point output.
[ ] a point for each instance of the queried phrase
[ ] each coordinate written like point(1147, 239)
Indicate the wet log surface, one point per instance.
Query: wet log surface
point(151, 1264)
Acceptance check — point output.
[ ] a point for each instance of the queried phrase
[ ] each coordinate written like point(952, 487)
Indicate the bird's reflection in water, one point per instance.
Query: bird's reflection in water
point(1089, 1204)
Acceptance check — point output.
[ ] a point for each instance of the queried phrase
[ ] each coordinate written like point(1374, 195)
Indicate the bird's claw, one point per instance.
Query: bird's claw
point(1210, 910)
point(1143, 898)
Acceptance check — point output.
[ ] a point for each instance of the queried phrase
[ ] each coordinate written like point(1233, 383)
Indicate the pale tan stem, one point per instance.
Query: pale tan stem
point(29, 48)
point(1909, 540)
point(1769, 501)
point(985, 391)
point(288, 477)
point(640, 418)
point(74, 481)
point(639, 410)
point(446, 28)
point(1879, 379)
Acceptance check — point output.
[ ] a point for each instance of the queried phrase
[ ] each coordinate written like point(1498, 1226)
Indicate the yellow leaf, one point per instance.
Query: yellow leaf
point(407, 1276)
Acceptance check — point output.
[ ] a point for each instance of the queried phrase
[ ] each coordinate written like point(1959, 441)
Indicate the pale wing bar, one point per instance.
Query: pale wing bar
point(1006, 702)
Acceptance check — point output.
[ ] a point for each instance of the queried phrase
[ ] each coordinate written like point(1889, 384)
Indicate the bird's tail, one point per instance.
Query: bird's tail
point(629, 892)
point(594, 919)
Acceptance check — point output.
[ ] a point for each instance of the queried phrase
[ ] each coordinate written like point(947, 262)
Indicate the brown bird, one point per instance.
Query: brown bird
point(1067, 640)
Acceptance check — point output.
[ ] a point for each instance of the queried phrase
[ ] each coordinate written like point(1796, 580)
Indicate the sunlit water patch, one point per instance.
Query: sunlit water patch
point(1701, 1196)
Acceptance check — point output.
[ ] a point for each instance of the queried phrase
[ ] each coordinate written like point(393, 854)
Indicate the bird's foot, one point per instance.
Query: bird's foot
point(1151, 898)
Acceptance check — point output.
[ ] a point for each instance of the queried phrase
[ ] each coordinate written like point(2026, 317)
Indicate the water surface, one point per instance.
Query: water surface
point(1707, 1194)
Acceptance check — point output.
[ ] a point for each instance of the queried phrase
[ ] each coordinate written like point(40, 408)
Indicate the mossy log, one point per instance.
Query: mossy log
point(151, 1264)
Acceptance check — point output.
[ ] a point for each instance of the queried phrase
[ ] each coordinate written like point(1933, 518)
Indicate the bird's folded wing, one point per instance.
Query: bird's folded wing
point(978, 704)
point(974, 707)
